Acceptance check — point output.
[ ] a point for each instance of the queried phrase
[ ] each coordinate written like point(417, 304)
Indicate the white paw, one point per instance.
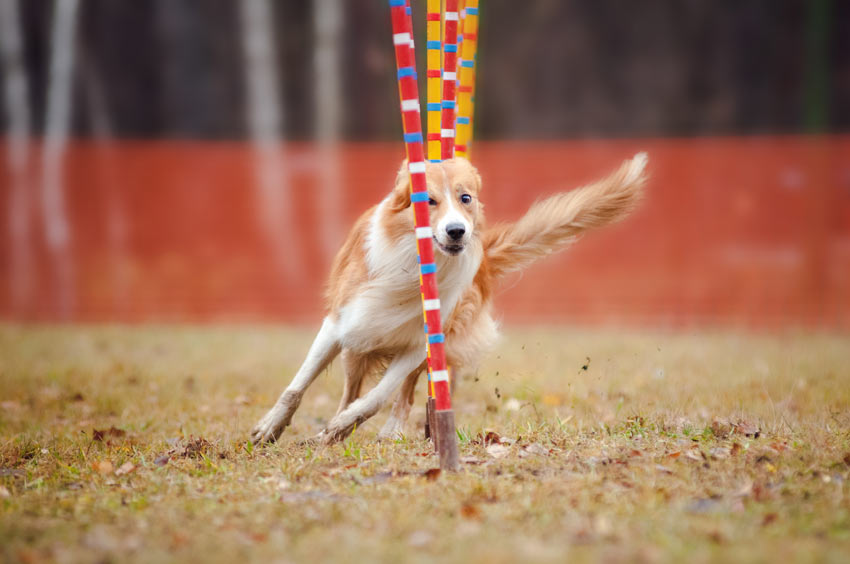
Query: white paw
point(269, 428)
point(392, 430)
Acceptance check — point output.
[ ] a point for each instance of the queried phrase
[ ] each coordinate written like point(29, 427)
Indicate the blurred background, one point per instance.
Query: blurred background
point(202, 160)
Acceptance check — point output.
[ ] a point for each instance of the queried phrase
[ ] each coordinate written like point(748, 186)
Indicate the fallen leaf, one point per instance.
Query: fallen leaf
point(162, 460)
point(663, 469)
point(768, 519)
point(743, 427)
point(196, 447)
point(695, 454)
point(847, 459)
point(675, 455)
point(487, 438)
point(498, 451)
point(470, 511)
point(721, 428)
point(103, 467)
point(471, 460)
point(432, 474)
point(736, 449)
point(125, 468)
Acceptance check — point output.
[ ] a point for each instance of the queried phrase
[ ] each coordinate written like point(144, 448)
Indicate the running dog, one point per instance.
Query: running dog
point(374, 315)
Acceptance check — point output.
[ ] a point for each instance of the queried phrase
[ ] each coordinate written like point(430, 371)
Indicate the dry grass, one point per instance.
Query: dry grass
point(618, 457)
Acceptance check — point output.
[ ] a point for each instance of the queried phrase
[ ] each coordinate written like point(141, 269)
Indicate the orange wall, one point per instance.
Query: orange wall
point(733, 231)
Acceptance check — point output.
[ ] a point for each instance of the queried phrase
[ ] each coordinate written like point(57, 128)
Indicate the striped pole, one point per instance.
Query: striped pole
point(434, 51)
point(465, 96)
point(411, 120)
point(447, 132)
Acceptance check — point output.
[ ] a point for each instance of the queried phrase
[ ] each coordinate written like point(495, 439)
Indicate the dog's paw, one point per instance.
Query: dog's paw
point(269, 428)
point(392, 430)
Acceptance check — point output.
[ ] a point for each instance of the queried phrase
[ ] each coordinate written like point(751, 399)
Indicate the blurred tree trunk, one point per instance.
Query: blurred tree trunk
point(18, 117)
point(57, 124)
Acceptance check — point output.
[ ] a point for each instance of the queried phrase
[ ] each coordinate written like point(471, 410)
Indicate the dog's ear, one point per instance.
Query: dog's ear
point(400, 198)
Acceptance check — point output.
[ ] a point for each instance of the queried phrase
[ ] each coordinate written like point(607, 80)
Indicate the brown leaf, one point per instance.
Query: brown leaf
point(768, 519)
point(735, 450)
point(432, 474)
point(470, 511)
point(746, 428)
point(103, 467)
point(196, 447)
point(162, 460)
point(487, 438)
point(675, 455)
point(471, 460)
point(721, 428)
point(97, 435)
point(847, 459)
point(125, 468)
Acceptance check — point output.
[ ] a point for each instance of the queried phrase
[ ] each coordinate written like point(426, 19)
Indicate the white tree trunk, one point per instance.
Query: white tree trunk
point(18, 118)
point(264, 123)
point(57, 124)
point(327, 26)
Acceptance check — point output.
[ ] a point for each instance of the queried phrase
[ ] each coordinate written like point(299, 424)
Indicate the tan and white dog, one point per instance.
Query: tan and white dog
point(375, 310)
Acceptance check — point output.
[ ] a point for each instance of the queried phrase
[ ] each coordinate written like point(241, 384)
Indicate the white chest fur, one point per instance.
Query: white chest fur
point(387, 312)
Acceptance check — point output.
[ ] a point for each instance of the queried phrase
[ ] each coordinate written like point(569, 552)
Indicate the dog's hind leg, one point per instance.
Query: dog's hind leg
point(394, 427)
point(323, 350)
point(359, 411)
point(355, 367)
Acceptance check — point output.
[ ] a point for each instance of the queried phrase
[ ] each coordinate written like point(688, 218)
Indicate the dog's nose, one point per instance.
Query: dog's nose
point(455, 230)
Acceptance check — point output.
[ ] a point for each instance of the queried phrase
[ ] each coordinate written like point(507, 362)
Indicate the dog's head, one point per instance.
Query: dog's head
point(454, 187)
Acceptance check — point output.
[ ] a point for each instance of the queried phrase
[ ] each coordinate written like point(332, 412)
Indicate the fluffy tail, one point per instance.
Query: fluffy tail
point(551, 224)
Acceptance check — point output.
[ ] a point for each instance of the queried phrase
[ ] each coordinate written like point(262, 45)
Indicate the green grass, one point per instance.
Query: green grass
point(615, 446)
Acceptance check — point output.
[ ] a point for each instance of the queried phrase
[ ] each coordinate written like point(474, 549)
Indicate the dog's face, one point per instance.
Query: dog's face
point(454, 187)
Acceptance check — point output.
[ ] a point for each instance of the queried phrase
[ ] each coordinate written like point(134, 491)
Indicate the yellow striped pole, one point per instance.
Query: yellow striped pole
point(434, 77)
point(466, 90)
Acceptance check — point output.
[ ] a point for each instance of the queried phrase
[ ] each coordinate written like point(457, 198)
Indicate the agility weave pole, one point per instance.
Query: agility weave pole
point(466, 83)
point(444, 425)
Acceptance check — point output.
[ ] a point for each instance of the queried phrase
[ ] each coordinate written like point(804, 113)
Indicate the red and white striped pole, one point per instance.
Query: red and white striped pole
point(412, 122)
point(447, 132)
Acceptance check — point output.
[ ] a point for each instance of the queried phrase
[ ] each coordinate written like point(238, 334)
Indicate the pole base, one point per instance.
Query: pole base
point(444, 425)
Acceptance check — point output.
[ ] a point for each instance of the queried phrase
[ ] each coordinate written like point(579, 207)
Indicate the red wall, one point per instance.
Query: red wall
point(733, 231)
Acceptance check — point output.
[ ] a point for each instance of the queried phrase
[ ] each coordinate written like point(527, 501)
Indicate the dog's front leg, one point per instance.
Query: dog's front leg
point(323, 350)
point(367, 406)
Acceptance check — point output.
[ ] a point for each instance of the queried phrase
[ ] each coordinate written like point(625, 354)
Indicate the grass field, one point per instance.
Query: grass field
point(129, 445)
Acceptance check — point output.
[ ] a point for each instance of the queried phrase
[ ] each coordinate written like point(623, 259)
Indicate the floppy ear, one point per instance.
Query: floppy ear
point(400, 197)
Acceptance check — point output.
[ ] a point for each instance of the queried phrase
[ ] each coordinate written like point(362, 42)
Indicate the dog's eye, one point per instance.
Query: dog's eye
point(432, 202)
point(466, 199)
